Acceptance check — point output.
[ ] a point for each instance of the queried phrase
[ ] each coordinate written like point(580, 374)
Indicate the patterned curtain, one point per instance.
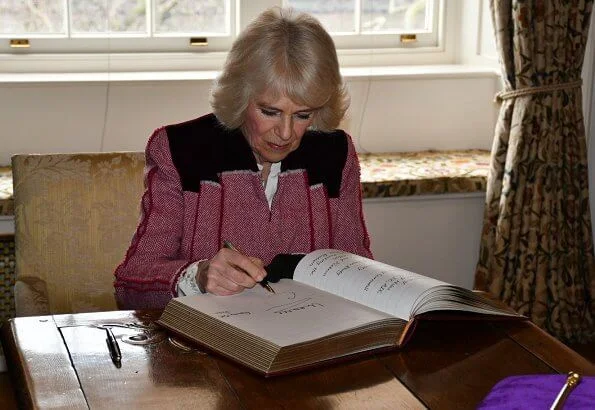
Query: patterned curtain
point(536, 250)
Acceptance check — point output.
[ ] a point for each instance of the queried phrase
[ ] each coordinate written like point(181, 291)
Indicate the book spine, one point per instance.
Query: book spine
point(407, 332)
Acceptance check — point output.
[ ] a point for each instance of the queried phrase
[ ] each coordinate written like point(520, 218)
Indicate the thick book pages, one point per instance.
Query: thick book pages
point(338, 304)
point(392, 290)
point(275, 333)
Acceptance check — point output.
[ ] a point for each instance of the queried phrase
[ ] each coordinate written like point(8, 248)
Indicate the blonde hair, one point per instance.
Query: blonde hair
point(282, 53)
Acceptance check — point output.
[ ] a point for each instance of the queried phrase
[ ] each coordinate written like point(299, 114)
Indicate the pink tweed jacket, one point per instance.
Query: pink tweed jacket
point(202, 185)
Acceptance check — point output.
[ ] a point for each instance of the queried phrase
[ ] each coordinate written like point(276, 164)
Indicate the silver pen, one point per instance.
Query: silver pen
point(114, 348)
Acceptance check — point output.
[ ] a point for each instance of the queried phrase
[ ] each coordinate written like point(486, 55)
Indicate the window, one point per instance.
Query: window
point(195, 27)
point(117, 25)
point(375, 23)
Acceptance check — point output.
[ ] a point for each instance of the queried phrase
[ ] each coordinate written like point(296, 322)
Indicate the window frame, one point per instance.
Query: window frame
point(63, 43)
point(391, 38)
point(88, 54)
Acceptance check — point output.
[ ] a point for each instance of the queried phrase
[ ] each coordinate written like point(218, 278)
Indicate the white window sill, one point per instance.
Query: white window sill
point(427, 71)
point(6, 225)
point(31, 62)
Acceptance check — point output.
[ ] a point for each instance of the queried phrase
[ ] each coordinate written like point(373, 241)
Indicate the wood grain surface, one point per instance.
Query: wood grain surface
point(63, 361)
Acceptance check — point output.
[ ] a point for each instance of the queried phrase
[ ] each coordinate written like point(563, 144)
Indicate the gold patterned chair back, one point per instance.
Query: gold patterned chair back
point(75, 215)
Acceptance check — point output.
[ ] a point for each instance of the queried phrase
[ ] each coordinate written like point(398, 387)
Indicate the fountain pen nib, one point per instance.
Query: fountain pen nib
point(268, 287)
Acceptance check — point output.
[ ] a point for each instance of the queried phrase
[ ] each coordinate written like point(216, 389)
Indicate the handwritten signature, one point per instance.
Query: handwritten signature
point(226, 313)
point(297, 305)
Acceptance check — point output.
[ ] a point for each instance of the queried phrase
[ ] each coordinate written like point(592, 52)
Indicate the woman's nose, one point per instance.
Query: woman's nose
point(285, 128)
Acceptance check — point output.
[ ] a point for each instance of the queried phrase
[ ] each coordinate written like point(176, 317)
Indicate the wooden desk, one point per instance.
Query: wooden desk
point(63, 361)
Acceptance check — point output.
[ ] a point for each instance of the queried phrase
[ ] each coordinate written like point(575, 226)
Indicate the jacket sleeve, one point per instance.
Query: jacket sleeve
point(349, 228)
point(148, 276)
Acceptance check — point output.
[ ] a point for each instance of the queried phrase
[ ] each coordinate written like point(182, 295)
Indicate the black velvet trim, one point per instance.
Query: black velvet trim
point(283, 266)
point(203, 148)
point(323, 155)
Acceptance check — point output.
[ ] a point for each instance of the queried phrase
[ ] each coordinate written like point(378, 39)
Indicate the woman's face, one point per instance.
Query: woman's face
point(274, 127)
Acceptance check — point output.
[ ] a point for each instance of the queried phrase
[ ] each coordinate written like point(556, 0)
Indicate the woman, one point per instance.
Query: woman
point(266, 171)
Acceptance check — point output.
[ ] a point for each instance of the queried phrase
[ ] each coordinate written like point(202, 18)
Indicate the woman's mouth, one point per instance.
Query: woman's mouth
point(278, 147)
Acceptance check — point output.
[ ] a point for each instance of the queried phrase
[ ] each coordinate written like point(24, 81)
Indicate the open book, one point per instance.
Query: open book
point(338, 304)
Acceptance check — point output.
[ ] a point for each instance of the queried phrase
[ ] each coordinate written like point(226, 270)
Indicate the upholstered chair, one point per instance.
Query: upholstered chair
point(75, 215)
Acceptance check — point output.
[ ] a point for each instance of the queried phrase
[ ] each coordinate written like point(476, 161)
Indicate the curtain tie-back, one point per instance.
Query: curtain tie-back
point(507, 94)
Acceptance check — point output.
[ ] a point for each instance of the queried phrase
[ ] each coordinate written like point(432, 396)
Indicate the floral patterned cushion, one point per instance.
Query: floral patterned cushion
point(74, 218)
point(383, 174)
point(424, 172)
point(6, 200)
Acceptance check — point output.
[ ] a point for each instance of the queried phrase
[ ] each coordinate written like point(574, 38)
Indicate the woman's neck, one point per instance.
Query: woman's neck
point(264, 172)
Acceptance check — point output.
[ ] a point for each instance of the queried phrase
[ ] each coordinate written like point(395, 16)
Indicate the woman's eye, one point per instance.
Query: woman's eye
point(268, 113)
point(304, 116)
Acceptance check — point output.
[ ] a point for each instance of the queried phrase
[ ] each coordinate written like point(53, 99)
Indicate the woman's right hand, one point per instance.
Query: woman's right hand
point(229, 272)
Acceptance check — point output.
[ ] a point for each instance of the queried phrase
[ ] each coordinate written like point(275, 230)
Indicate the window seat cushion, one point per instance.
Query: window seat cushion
point(424, 172)
point(6, 200)
point(382, 174)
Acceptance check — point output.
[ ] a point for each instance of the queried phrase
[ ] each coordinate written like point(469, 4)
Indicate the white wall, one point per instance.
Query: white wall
point(436, 235)
point(403, 111)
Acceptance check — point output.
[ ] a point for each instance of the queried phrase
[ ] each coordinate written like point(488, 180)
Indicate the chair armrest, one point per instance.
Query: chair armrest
point(31, 296)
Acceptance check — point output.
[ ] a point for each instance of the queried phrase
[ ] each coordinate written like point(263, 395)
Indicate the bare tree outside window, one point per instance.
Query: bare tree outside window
point(32, 16)
point(188, 16)
point(168, 26)
point(96, 17)
point(107, 16)
point(377, 16)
